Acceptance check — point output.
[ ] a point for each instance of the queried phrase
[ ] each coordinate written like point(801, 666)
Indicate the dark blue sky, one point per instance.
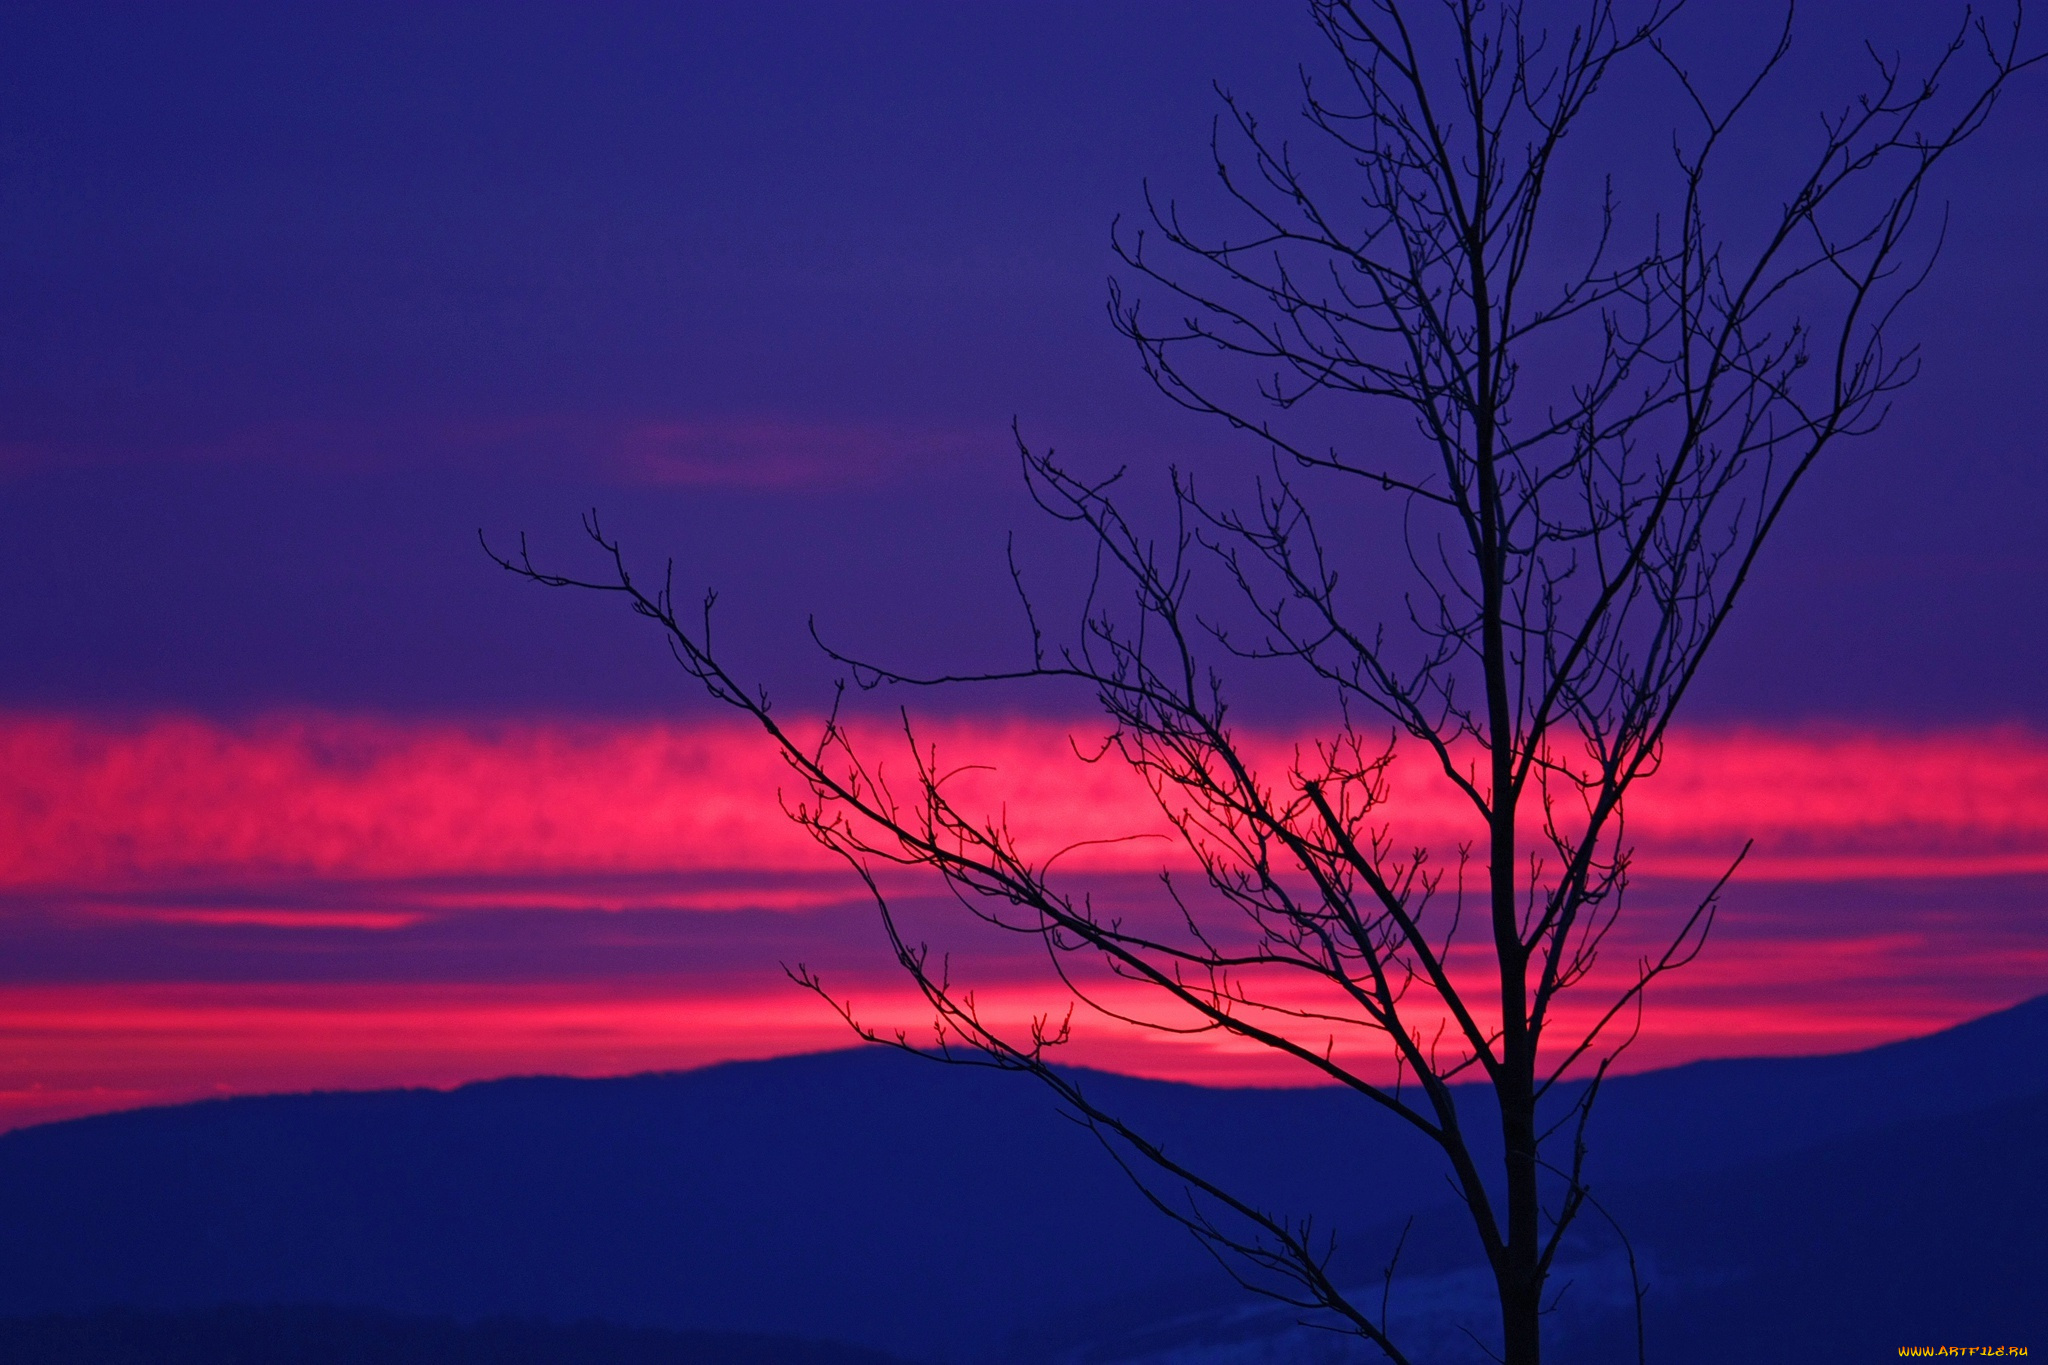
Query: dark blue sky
point(294, 298)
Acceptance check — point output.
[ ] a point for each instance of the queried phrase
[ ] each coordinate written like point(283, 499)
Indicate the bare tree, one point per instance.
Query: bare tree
point(1575, 543)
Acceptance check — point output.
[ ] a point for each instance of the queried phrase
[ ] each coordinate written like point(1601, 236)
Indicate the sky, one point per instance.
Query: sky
point(299, 790)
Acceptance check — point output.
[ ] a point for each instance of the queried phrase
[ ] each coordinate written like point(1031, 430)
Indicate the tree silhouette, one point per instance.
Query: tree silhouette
point(1589, 460)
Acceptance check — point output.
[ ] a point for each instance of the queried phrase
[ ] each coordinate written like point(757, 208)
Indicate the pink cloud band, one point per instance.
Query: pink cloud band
point(420, 836)
point(88, 802)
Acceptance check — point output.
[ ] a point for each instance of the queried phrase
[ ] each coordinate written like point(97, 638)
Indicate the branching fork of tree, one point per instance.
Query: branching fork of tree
point(1576, 546)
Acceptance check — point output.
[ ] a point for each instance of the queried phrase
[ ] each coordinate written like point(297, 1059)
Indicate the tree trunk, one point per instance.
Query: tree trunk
point(1521, 1289)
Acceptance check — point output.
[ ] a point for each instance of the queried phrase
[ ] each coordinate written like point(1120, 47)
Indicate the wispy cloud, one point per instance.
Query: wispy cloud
point(697, 449)
point(769, 452)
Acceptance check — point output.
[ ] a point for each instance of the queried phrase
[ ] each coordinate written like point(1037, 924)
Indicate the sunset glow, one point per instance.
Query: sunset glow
point(321, 900)
point(91, 804)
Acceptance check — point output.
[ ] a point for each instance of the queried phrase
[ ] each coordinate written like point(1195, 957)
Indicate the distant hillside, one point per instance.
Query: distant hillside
point(1922, 1233)
point(1726, 1112)
point(1928, 1232)
point(937, 1213)
point(344, 1336)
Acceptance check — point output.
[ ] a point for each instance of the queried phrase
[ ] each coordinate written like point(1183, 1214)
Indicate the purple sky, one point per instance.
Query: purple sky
point(296, 298)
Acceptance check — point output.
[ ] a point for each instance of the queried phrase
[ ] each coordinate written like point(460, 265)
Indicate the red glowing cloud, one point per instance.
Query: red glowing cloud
point(318, 900)
point(89, 803)
point(364, 798)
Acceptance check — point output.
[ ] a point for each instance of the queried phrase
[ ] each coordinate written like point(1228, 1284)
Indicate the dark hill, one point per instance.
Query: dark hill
point(1922, 1233)
point(1726, 1112)
point(931, 1212)
point(301, 1335)
point(1930, 1232)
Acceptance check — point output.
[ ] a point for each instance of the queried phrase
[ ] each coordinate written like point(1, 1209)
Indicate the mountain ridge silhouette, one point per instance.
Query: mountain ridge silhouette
point(934, 1213)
